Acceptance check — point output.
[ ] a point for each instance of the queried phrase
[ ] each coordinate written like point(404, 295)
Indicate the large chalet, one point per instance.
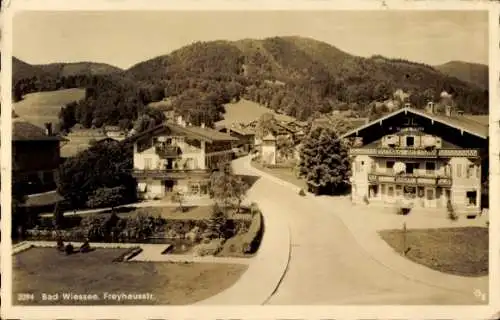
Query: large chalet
point(177, 157)
point(420, 159)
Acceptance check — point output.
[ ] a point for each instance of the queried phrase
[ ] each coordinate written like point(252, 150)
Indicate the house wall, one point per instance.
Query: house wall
point(269, 152)
point(361, 166)
point(465, 180)
point(149, 157)
point(465, 174)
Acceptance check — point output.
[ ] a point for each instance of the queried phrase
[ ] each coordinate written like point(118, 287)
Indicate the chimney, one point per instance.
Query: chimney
point(48, 128)
point(203, 124)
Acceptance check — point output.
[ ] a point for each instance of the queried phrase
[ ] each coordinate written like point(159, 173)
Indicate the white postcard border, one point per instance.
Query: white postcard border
point(256, 312)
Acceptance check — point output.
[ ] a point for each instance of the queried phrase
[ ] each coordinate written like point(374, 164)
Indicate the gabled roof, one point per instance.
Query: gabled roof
point(457, 122)
point(25, 131)
point(203, 134)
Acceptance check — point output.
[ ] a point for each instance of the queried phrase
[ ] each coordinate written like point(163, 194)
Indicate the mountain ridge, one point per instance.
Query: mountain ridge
point(292, 75)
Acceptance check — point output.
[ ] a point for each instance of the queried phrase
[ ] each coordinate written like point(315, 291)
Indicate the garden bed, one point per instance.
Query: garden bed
point(242, 231)
point(457, 251)
point(45, 270)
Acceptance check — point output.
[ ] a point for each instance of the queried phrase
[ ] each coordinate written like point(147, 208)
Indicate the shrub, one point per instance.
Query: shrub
point(68, 249)
point(302, 193)
point(253, 237)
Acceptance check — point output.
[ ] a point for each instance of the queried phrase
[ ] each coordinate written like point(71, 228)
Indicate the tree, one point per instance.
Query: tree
point(106, 197)
point(265, 125)
point(106, 164)
point(324, 162)
point(227, 188)
point(216, 224)
point(285, 147)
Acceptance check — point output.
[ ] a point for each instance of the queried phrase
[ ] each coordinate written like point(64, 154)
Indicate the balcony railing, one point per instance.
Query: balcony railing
point(167, 151)
point(412, 179)
point(415, 153)
point(169, 173)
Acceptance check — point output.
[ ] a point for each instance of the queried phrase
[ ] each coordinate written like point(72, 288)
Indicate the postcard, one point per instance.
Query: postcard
point(273, 159)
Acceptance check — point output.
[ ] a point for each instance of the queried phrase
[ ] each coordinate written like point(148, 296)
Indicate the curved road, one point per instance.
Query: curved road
point(327, 265)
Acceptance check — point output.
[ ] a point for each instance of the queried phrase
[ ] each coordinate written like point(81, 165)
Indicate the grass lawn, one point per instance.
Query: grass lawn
point(41, 107)
point(458, 251)
point(44, 270)
point(286, 174)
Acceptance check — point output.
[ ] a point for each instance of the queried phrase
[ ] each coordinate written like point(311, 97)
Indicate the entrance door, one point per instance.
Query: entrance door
point(169, 186)
point(430, 197)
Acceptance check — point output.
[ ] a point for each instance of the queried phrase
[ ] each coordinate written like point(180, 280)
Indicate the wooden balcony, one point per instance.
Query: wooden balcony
point(414, 152)
point(165, 152)
point(410, 179)
point(170, 173)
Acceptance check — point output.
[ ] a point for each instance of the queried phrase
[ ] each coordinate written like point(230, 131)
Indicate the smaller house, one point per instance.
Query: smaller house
point(176, 157)
point(35, 156)
point(245, 135)
point(115, 133)
point(268, 150)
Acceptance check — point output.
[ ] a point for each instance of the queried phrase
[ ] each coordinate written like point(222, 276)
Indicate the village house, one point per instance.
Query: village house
point(420, 159)
point(35, 161)
point(177, 157)
point(246, 136)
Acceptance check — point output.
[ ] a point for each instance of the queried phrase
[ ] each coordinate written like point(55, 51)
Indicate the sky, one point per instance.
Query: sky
point(124, 38)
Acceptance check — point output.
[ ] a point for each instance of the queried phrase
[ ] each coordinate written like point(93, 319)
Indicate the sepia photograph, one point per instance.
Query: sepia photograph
point(280, 158)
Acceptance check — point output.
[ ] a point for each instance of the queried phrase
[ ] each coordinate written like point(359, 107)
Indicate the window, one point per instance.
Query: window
point(390, 165)
point(410, 167)
point(430, 167)
point(472, 198)
point(399, 190)
point(430, 194)
point(390, 191)
point(459, 170)
point(147, 163)
point(469, 171)
point(358, 166)
point(194, 188)
point(410, 141)
point(409, 192)
point(421, 192)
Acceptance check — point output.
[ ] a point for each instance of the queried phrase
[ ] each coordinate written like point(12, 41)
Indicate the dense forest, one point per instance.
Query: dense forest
point(296, 76)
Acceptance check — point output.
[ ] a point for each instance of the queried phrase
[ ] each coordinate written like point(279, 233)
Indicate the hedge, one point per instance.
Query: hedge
point(253, 236)
point(173, 229)
point(248, 242)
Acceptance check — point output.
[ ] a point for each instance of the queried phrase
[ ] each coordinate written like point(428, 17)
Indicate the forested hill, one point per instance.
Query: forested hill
point(302, 75)
point(471, 72)
point(23, 70)
point(293, 75)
